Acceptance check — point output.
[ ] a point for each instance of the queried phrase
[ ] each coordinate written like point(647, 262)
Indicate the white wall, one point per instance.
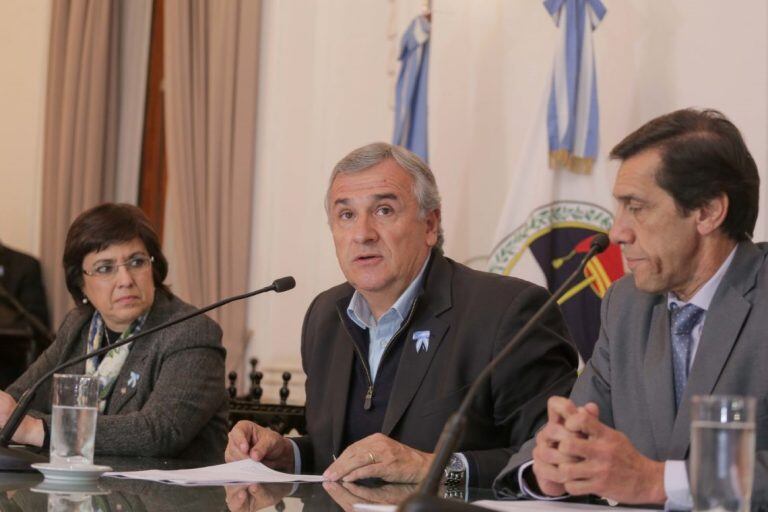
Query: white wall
point(24, 28)
point(327, 80)
point(325, 90)
point(652, 56)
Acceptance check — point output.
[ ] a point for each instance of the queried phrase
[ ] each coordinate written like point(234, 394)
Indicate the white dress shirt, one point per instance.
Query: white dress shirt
point(676, 483)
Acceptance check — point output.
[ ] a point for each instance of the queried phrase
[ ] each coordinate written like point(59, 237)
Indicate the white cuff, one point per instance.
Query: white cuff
point(296, 457)
point(676, 486)
point(527, 490)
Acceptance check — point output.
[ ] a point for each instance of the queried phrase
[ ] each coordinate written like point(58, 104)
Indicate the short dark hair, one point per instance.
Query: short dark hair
point(104, 225)
point(703, 155)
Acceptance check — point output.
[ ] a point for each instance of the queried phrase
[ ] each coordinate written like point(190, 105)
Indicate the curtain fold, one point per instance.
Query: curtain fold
point(96, 85)
point(80, 148)
point(211, 78)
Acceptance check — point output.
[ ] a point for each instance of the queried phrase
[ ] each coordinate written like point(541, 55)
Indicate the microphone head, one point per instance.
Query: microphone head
point(284, 284)
point(600, 243)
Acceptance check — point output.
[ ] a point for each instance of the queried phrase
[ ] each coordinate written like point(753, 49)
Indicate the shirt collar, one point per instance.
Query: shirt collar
point(360, 312)
point(703, 297)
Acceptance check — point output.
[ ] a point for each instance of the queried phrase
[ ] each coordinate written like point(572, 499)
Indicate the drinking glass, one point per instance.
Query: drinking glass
point(722, 452)
point(70, 502)
point(73, 419)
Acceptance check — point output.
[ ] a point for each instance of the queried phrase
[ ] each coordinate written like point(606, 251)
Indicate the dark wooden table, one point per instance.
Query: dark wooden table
point(26, 492)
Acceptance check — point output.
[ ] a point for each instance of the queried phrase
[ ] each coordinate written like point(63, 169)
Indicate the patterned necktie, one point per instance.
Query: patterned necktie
point(683, 319)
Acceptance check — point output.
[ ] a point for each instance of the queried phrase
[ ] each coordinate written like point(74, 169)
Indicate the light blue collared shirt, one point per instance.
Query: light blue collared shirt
point(380, 332)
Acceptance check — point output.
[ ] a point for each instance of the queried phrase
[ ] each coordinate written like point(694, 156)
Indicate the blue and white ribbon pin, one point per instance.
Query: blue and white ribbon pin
point(422, 341)
point(133, 379)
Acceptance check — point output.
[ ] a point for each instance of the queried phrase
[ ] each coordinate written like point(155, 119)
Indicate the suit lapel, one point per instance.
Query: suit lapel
point(411, 370)
point(78, 347)
point(413, 367)
point(657, 372)
point(125, 385)
point(724, 319)
point(339, 378)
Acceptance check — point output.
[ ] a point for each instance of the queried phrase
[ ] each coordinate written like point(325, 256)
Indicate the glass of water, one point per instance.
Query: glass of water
point(70, 502)
point(722, 452)
point(73, 419)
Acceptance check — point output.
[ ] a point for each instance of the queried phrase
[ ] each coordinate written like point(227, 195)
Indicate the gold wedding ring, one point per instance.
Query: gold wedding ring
point(373, 459)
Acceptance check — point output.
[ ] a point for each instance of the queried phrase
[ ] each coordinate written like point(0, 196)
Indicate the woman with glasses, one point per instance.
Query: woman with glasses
point(161, 396)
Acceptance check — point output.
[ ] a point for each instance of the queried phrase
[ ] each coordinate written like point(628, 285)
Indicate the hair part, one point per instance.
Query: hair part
point(703, 156)
point(102, 226)
point(424, 184)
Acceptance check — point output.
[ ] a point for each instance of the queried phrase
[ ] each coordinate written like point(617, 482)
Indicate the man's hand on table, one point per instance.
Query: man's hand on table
point(379, 456)
point(247, 439)
point(347, 494)
point(247, 498)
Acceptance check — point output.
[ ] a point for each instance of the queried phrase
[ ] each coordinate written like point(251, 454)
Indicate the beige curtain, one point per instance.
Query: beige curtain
point(80, 127)
point(211, 71)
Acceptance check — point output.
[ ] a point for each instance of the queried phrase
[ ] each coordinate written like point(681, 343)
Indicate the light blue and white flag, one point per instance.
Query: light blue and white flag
point(411, 94)
point(572, 111)
point(551, 215)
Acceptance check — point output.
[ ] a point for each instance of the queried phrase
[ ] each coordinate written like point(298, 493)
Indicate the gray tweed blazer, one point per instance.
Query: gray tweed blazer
point(169, 399)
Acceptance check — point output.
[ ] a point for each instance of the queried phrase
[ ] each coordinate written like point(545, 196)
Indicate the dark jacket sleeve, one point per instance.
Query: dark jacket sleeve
point(542, 364)
point(31, 292)
point(304, 443)
point(591, 386)
point(51, 357)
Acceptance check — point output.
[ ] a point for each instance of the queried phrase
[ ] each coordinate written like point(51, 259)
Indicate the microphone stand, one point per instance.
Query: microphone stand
point(425, 498)
point(19, 460)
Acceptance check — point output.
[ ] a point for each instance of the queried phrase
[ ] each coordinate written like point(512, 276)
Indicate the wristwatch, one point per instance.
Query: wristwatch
point(455, 472)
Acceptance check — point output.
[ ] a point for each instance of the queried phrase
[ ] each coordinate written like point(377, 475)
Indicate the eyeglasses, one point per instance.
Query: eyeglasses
point(135, 265)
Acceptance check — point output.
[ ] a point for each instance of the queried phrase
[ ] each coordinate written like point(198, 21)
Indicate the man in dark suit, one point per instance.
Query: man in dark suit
point(689, 320)
point(20, 282)
point(20, 276)
point(390, 354)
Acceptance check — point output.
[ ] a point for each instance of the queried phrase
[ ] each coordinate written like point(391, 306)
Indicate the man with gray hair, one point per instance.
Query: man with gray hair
point(390, 354)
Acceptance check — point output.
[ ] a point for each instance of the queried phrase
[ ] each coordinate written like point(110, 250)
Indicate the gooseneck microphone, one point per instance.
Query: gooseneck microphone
point(19, 460)
point(425, 498)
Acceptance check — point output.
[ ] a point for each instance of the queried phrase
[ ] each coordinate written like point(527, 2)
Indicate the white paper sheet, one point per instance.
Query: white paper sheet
point(553, 506)
point(504, 506)
point(240, 472)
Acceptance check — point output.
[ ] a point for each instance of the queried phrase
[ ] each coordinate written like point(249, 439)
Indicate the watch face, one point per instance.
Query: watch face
point(455, 464)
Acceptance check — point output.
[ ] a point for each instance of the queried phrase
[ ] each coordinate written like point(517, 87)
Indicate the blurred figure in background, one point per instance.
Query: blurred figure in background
point(22, 338)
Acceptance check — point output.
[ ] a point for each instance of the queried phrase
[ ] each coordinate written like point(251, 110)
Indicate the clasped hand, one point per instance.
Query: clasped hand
point(577, 454)
point(376, 456)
